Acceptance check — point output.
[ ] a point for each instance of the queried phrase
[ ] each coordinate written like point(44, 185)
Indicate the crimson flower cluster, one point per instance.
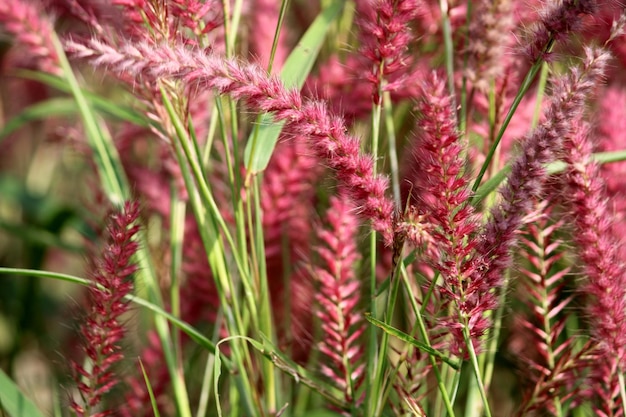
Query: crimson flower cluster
point(103, 329)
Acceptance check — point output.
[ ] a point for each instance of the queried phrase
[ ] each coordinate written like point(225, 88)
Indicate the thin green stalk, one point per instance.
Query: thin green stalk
point(205, 391)
point(381, 381)
point(541, 88)
point(374, 359)
point(476, 369)
point(281, 18)
point(393, 152)
point(177, 230)
point(622, 388)
point(209, 233)
point(234, 182)
point(266, 320)
point(528, 80)
point(494, 336)
point(153, 402)
point(424, 335)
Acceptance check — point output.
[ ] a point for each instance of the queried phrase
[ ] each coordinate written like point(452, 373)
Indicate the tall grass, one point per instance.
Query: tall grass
point(359, 208)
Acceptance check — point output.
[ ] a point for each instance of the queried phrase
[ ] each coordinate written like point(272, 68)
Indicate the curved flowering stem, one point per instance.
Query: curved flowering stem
point(263, 93)
point(103, 329)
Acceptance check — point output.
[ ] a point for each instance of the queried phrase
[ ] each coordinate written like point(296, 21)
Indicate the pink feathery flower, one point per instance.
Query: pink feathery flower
point(526, 179)
point(599, 251)
point(200, 17)
point(103, 330)
point(611, 133)
point(32, 30)
point(490, 34)
point(443, 194)
point(556, 21)
point(385, 34)
point(287, 197)
point(327, 134)
point(338, 298)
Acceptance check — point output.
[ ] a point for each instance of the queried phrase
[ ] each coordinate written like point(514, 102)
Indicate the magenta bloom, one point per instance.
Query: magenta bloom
point(103, 330)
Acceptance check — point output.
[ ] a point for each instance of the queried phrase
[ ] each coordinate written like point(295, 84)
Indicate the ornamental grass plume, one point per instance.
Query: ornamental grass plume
point(103, 329)
point(338, 298)
point(443, 194)
point(526, 180)
point(386, 33)
point(556, 21)
point(32, 30)
point(554, 365)
point(487, 42)
point(248, 82)
point(605, 282)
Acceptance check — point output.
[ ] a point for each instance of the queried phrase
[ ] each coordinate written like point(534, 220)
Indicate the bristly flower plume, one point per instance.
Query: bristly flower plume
point(599, 252)
point(528, 174)
point(103, 330)
point(557, 20)
point(338, 298)
point(311, 119)
point(488, 39)
point(443, 194)
point(32, 31)
point(386, 33)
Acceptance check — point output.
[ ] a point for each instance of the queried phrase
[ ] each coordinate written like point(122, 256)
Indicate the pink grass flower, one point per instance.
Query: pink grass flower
point(599, 252)
point(385, 34)
point(338, 298)
point(32, 31)
point(556, 21)
point(488, 41)
point(443, 193)
point(326, 133)
point(526, 179)
point(103, 330)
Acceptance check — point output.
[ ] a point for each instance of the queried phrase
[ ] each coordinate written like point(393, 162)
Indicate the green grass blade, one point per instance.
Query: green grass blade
point(193, 333)
point(53, 107)
point(298, 65)
point(553, 168)
point(410, 339)
point(103, 105)
point(105, 154)
point(155, 409)
point(13, 401)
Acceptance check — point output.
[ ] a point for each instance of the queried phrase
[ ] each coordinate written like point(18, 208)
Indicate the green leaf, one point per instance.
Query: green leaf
point(105, 154)
point(553, 168)
point(13, 401)
point(102, 104)
point(413, 341)
point(193, 333)
point(155, 409)
point(298, 65)
point(39, 111)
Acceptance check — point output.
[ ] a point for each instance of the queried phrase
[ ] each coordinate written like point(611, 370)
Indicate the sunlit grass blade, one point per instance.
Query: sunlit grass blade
point(410, 339)
point(105, 154)
point(13, 401)
point(298, 65)
point(103, 105)
point(492, 183)
point(155, 409)
point(54, 107)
